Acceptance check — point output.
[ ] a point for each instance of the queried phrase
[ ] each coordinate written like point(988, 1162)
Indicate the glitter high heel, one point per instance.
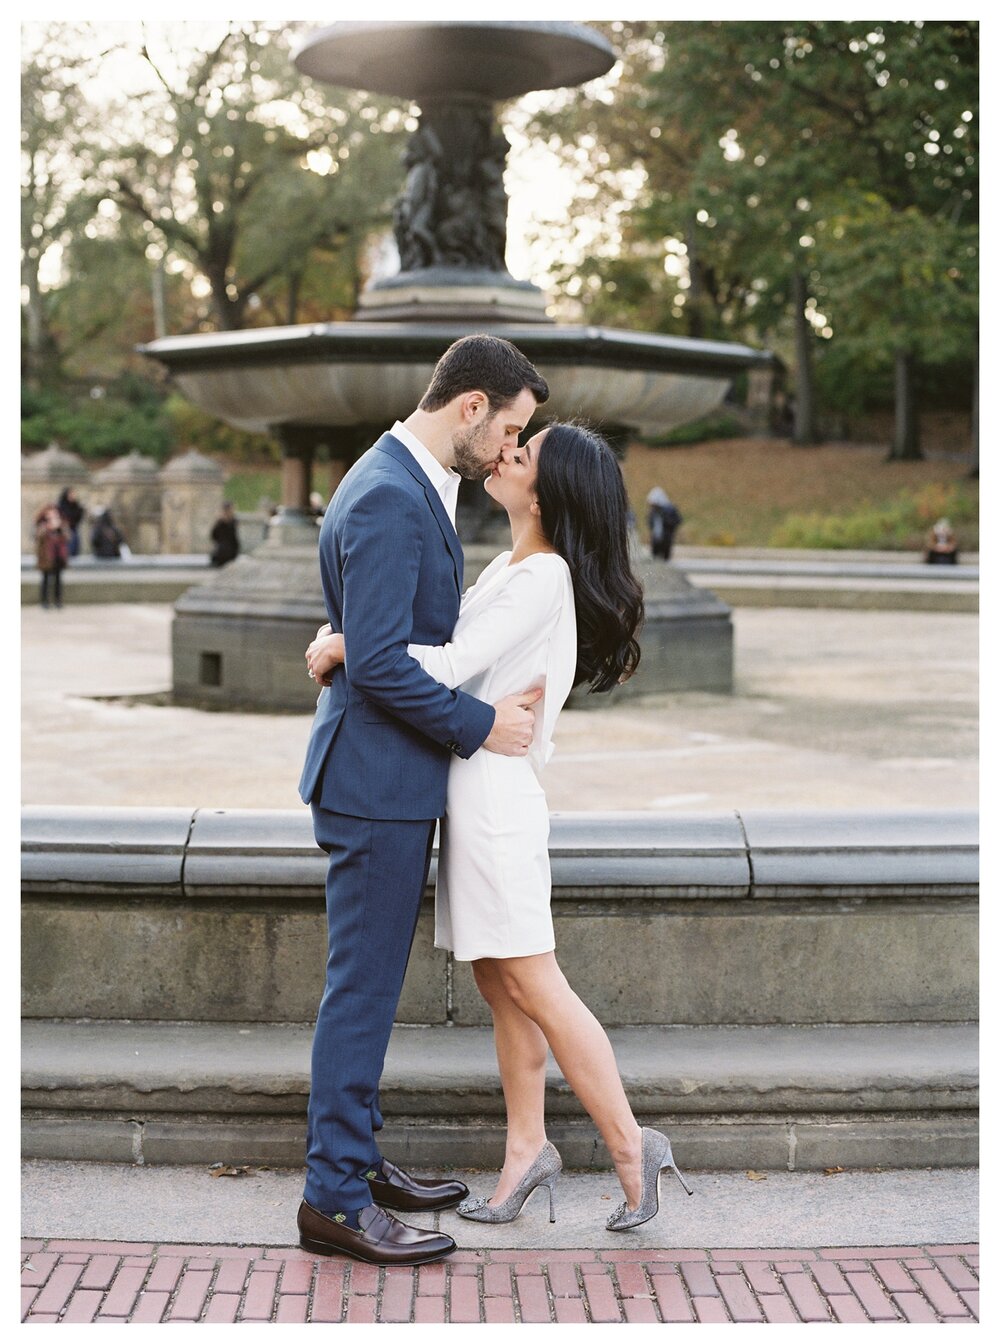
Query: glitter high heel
point(543, 1171)
point(656, 1157)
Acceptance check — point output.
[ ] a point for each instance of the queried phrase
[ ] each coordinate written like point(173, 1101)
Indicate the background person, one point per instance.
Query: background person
point(664, 520)
point(72, 515)
point(942, 548)
point(224, 537)
point(51, 553)
point(106, 538)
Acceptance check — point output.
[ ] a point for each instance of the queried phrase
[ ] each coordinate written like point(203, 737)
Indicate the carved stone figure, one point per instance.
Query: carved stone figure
point(453, 210)
point(413, 222)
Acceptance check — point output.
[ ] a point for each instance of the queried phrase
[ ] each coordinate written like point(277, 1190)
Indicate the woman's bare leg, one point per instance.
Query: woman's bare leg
point(538, 989)
point(522, 1051)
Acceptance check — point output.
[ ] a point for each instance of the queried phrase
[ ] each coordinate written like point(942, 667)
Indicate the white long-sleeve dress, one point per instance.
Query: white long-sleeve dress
point(516, 630)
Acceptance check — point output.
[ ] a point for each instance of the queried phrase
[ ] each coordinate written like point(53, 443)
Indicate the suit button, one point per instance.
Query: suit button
point(452, 746)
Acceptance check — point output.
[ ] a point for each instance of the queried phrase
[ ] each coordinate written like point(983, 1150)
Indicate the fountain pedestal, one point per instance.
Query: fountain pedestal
point(239, 638)
point(332, 388)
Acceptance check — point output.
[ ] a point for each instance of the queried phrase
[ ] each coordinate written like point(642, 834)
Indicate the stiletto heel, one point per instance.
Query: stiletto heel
point(656, 1157)
point(543, 1171)
point(676, 1170)
point(551, 1184)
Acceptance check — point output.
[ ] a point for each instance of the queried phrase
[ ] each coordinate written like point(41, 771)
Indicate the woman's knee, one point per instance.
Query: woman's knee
point(488, 980)
point(533, 984)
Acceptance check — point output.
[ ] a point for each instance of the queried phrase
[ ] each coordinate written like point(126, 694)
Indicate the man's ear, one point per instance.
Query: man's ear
point(472, 404)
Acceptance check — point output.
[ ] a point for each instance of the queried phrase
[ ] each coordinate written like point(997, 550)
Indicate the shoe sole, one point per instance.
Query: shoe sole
point(420, 1208)
point(324, 1248)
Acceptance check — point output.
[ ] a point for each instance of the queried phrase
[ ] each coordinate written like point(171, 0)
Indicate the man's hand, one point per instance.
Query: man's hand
point(514, 725)
point(323, 655)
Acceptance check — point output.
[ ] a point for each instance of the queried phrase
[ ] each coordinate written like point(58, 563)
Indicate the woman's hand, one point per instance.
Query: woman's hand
point(323, 655)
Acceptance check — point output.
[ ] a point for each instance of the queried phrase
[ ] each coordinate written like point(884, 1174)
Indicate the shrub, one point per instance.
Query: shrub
point(97, 427)
point(194, 428)
point(900, 524)
point(719, 425)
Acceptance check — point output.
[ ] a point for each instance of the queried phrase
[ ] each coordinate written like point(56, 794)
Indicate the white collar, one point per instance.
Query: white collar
point(440, 477)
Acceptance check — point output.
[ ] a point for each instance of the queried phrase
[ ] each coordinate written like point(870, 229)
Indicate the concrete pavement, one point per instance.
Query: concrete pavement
point(832, 708)
point(117, 1202)
point(108, 1243)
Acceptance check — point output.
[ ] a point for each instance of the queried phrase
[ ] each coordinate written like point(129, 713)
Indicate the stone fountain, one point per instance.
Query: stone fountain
point(326, 391)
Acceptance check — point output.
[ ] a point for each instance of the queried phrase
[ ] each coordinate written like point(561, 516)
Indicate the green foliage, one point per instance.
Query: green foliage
point(902, 523)
point(241, 141)
point(717, 426)
point(224, 189)
point(246, 488)
point(804, 184)
point(126, 418)
point(193, 428)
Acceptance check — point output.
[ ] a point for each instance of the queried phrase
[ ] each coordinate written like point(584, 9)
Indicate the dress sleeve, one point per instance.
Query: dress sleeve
point(525, 603)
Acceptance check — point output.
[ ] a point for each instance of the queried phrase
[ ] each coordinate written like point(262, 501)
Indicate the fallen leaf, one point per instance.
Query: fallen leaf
point(832, 1171)
point(756, 1176)
point(217, 1169)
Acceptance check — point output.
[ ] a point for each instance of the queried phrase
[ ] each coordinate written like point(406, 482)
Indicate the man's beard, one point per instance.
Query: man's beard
point(467, 447)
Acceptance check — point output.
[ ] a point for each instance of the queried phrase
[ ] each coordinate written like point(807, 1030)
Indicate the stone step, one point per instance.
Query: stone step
point(772, 1097)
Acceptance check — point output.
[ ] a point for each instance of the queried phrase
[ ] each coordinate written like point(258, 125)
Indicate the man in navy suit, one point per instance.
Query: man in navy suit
point(376, 772)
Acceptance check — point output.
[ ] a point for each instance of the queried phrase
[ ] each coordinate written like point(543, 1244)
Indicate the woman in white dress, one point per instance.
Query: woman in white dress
point(560, 608)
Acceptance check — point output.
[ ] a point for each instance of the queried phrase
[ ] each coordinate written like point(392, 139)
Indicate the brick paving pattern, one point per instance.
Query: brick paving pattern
point(92, 1282)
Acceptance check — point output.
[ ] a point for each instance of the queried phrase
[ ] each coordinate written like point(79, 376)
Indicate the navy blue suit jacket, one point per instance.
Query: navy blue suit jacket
point(391, 565)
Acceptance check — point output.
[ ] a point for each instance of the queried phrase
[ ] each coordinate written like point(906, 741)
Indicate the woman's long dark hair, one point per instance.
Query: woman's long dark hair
point(584, 511)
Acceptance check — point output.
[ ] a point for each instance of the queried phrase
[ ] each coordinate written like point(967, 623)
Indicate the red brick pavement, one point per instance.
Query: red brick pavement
point(92, 1282)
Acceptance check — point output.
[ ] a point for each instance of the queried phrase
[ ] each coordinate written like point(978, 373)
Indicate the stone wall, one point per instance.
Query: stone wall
point(44, 475)
point(749, 918)
point(168, 511)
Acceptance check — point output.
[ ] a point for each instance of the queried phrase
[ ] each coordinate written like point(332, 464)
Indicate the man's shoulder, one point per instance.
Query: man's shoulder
point(375, 473)
point(378, 464)
point(376, 486)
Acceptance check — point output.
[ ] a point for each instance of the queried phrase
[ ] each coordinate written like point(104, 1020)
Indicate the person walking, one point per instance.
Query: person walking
point(376, 773)
point(224, 537)
point(560, 608)
point(51, 553)
point(664, 520)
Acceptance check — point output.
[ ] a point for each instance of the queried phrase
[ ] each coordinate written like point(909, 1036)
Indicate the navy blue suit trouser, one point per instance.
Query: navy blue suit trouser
point(375, 881)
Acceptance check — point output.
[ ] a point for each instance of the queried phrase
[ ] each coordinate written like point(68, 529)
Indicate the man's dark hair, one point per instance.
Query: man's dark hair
point(486, 364)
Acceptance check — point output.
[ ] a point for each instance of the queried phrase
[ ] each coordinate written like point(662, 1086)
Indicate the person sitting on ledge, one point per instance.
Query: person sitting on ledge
point(942, 548)
point(106, 537)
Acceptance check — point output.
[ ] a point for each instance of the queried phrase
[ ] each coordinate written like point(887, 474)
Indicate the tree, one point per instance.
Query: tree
point(758, 134)
point(57, 161)
point(220, 174)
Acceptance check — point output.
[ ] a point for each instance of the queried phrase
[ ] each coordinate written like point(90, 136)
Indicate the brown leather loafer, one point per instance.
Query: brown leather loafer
point(379, 1239)
point(396, 1189)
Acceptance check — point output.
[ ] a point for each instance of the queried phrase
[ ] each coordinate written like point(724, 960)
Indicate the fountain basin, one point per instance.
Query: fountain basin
point(370, 373)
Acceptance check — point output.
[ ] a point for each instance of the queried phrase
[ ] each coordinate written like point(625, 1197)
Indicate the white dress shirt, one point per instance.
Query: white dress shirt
point(444, 480)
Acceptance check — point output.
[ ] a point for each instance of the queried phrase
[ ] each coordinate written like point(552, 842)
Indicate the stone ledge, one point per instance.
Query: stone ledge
point(817, 854)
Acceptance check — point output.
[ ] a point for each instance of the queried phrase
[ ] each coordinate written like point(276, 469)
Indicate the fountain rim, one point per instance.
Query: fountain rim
point(592, 55)
point(413, 343)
